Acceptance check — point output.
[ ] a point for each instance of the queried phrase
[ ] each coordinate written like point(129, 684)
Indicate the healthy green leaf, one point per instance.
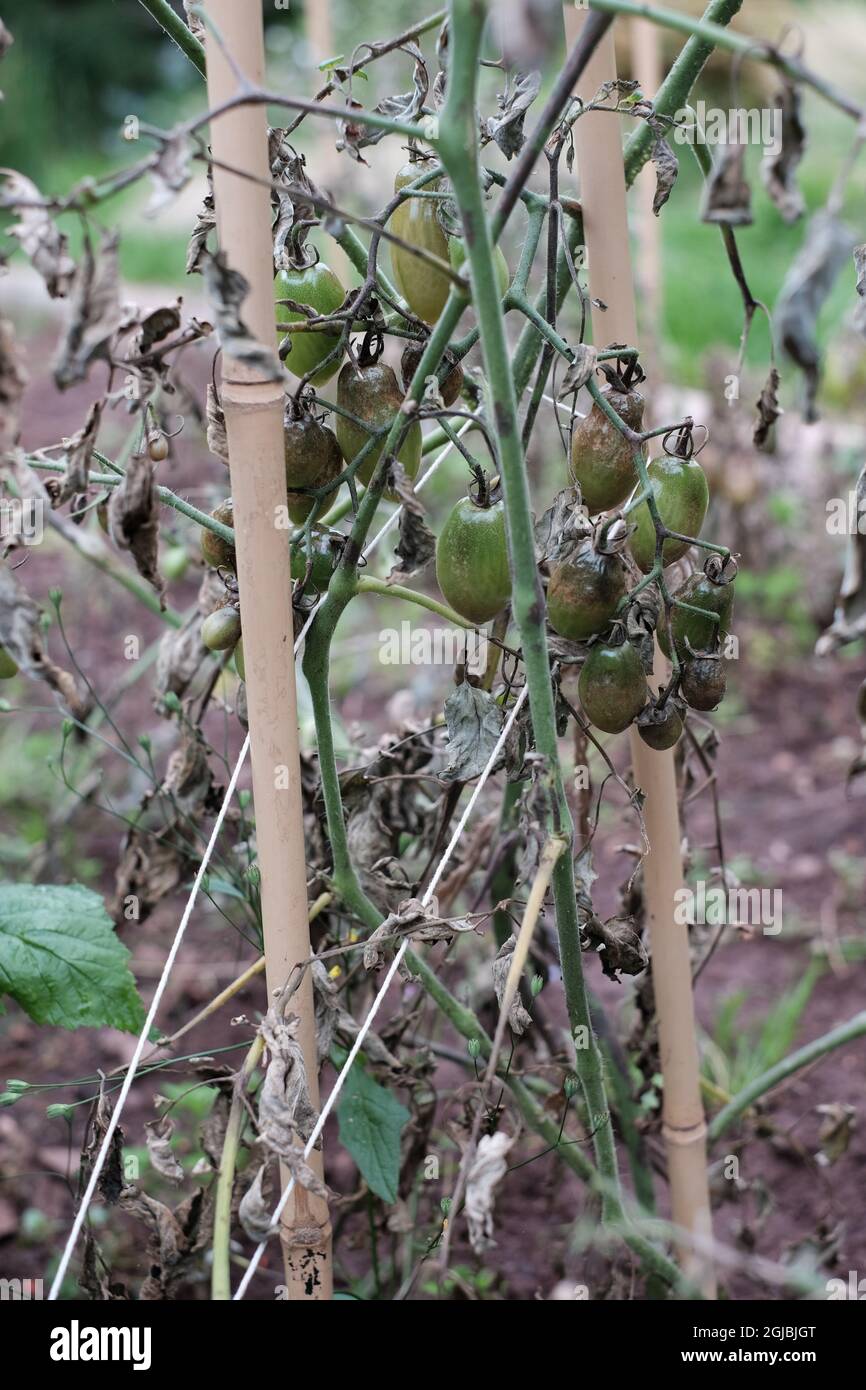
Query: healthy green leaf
point(62, 960)
point(371, 1122)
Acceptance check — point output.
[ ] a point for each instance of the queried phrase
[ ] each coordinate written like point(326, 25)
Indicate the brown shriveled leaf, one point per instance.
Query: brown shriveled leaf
point(860, 310)
point(506, 128)
point(39, 237)
point(217, 440)
point(255, 1211)
point(806, 287)
point(488, 1168)
point(78, 453)
point(188, 777)
point(579, 372)
point(836, 1130)
point(333, 1021)
point(95, 1278)
point(171, 173)
point(769, 409)
point(110, 1182)
point(518, 1017)
point(133, 520)
point(158, 1139)
point(667, 170)
point(849, 618)
point(181, 654)
point(21, 635)
point(205, 223)
point(412, 919)
point(475, 720)
point(354, 136)
point(228, 289)
point(151, 867)
point(13, 380)
point(619, 946)
point(415, 548)
point(157, 325)
point(286, 1113)
point(727, 195)
point(561, 528)
point(779, 168)
point(174, 1238)
point(95, 313)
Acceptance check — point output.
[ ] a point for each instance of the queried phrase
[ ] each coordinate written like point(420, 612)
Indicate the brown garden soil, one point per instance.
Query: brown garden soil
point(782, 780)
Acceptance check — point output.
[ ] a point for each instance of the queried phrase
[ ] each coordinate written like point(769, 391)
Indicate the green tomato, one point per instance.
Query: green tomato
point(217, 552)
point(602, 460)
point(324, 552)
point(457, 254)
point(416, 221)
point(372, 394)
point(662, 729)
point(175, 562)
point(612, 687)
point(584, 593)
point(691, 631)
point(221, 630)
point(319, 288)
point(8, 665)
point(313, 458)
point(472, 567)
point(682, 497)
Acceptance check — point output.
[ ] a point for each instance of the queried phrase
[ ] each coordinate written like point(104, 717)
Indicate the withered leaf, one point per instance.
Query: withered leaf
point(333, 1021)
point(727, 195)
point(256, 1210)
point(353, 136)
point(849, 618)
point(158, 1139)
point(415, 548)
point(95, 313)
point(806, 287)
point(21, 635)
point(133, 520)
point(181, 654)
point(561, 528)
point(151, 867)
point(488, 1168)
point(769, 409)
point(13, 380)
point(860, 310)
point(506, 128)
point(619, 946)
point(415, 920)
point(171, 173)
point(228, 289)
point(518, 1017)
point(286, 1112)
point(836, 1130)
point(217, 440)
point(779, 167)
point(475, 720)
point(110, 1181)
point(205, 223)
point(157, 325)
point(39, 237)
point(667, 170)
point(579, 371)
point(78, 453)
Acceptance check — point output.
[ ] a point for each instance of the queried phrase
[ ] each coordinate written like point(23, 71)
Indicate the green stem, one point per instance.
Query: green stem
point(837, 1037)
point(368, 585)
point(221, 1289)
point(458, 152)
point(177, 31)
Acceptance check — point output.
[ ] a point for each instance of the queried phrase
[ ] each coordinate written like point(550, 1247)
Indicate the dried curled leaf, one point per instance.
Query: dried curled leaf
point(779, 167)
point(13, 380)
point(21, 635)
point(519, 1018)
point(205, 223)
point(333, 1022)
point(171, 173)
point(256, 1210)
point(353, 136)
point(133, 520)
point(228, 289)
point(618, 944)
point(488, 1168)
point(807, 285)
point(413, 919)
point(158, 1139)
point(727, 195)
point(667, 170)
point(769, 409)
point(38, 235)
point(176, 1237)
point(860, 268)
point(286, 1112)
point(78, 453)
point(475, 720)
point(579, 372)
point(95, 313)
point(151, 867)
point(836, 1132)
point(506, 128)
point(849, 618)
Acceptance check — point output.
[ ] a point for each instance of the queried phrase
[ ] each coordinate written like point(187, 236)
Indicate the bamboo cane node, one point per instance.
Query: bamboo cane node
point(247, 396)
point(683, 1135)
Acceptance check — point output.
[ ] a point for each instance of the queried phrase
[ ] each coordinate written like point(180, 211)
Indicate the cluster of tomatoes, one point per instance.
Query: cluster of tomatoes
point(591, 576)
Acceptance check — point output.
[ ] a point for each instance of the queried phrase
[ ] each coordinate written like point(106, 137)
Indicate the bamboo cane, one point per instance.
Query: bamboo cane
point(254, 424)
point(646, 51)
point(603, 199)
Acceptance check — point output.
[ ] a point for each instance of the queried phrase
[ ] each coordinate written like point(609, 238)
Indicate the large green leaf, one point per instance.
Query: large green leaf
point(371, 1122)
point(61, 958)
